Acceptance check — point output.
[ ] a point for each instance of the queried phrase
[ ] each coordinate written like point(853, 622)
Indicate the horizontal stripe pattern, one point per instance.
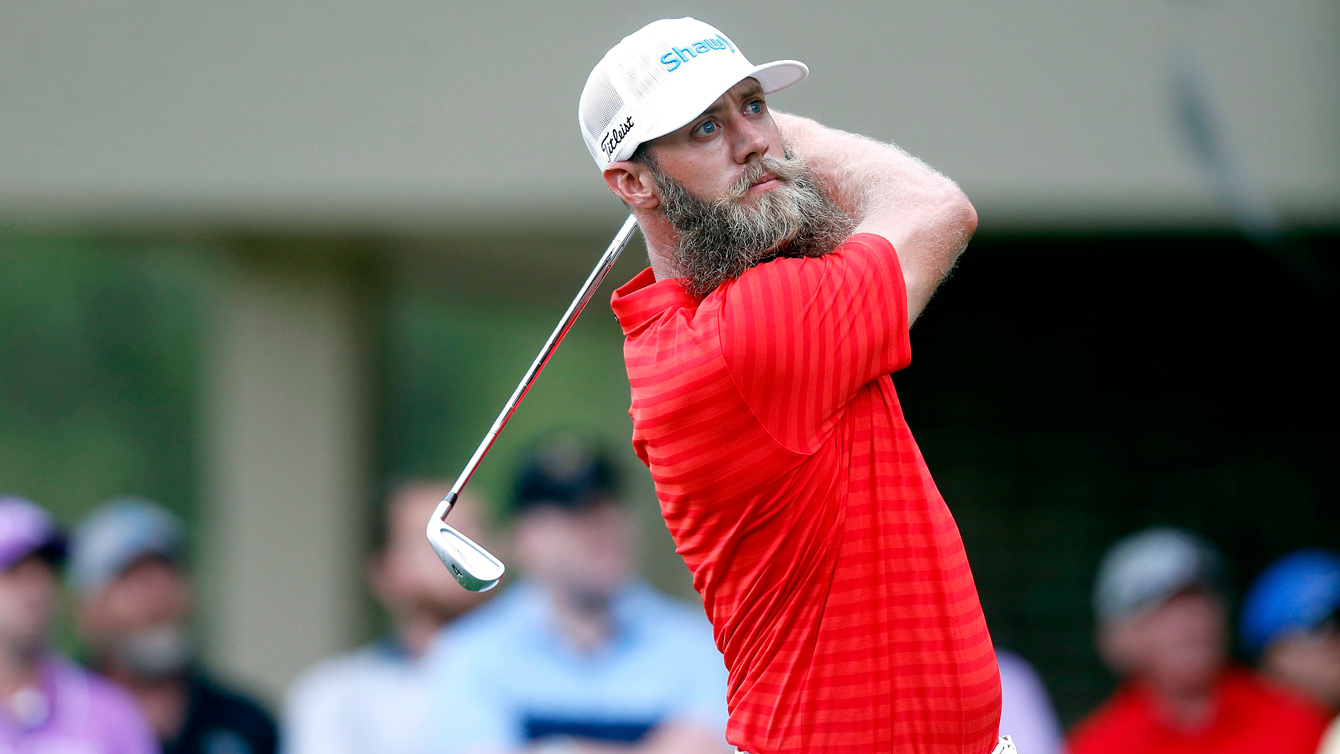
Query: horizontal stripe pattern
point(831, 569)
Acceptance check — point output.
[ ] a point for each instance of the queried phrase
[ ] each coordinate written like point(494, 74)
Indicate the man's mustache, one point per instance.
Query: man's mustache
point(785, 170)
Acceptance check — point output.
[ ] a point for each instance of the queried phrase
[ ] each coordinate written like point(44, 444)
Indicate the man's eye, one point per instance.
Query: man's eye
point(755, 107)
point(708, 127)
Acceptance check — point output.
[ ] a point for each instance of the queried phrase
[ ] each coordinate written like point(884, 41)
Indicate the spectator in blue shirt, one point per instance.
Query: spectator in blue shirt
point(580, 655)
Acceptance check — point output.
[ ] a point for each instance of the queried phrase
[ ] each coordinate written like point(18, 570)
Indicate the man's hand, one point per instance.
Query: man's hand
point(893, 194)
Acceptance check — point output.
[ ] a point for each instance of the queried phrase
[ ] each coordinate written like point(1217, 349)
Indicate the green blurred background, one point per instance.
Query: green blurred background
point(1062, 397)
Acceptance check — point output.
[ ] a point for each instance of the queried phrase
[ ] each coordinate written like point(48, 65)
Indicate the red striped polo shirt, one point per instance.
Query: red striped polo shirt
point(830, 567)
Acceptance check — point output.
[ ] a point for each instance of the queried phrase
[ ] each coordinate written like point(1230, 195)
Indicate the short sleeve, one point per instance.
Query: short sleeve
point(803, 336)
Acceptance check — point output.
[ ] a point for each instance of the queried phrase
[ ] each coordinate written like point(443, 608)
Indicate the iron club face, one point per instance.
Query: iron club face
point(472, 566)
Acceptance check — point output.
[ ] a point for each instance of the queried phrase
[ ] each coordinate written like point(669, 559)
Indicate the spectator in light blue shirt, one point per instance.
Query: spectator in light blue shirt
point(580, 653)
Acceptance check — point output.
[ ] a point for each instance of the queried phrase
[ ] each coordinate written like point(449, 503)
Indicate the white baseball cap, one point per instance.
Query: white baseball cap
point(662, 76)
point(1145, 569)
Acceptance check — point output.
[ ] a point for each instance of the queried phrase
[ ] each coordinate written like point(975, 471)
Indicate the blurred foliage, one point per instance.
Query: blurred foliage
point(99, 356)
point(453, 359)
point(100, 348)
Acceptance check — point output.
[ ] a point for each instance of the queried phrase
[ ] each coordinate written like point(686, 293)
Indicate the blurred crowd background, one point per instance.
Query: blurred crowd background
point(269, 266)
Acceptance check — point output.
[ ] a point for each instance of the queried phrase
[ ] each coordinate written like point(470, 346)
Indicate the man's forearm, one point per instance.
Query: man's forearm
point(888, 191)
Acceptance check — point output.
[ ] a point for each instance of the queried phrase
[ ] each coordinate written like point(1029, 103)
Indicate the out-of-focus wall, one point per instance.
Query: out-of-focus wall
point(438, 114)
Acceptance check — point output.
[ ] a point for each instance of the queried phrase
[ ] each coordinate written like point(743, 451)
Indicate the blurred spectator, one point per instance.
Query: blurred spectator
point(50, 706)
point(127, 567)
point(1026, 712)
point(580, 655)
point(372, 700)
point(1163, 628)
point(1291, 619)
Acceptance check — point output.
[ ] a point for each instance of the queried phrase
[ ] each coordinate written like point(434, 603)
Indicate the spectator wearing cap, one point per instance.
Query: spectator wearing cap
point(47, 704)
point(1162, 618)
point(1291, 621)
point(128, 571)
point(578, 655)
point(373, 700)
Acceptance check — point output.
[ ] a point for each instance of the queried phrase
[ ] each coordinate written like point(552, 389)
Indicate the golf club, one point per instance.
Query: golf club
point(474, 567)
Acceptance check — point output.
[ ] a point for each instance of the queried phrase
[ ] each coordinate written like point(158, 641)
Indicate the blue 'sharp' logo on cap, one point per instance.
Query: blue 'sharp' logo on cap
point(680, 55)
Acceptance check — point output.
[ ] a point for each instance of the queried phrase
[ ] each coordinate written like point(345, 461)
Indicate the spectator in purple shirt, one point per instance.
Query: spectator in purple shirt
point(47, 704)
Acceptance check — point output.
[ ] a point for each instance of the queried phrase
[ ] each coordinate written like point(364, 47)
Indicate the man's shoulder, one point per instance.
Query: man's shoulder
point(222, 700)
point(852, 250)
point(500, 623)
point(108, 710)
point(353, 669)
point(668, 624)
point(788, 284)
point(223, 718)
point(73, 681)
point(658, 609)
point(1120, 724)
point(1273, 703)
point(517, 607)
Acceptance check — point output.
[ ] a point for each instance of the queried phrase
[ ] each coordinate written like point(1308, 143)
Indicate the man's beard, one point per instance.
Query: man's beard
point(719, 240)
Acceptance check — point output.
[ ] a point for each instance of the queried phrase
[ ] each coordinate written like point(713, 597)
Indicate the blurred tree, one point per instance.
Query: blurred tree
point(100, 346)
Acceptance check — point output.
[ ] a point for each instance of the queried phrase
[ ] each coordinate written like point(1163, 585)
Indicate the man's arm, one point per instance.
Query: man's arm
point(892, 194)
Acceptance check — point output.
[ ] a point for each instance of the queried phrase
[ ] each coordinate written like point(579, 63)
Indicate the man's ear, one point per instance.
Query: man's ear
point(633, 183)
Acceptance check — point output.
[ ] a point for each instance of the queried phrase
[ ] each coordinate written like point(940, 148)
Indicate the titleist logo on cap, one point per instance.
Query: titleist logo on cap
point(615, 135)
point(680, 55)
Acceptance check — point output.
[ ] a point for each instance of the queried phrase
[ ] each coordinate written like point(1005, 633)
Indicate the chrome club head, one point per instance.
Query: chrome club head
point(472, 566)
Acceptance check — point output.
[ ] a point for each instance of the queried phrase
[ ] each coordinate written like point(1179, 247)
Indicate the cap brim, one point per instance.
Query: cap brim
point(52, 550)
point(779, 74)
point(773, 77)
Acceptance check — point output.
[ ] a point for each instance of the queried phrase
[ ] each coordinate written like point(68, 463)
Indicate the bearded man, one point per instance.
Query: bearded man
point(788, 261)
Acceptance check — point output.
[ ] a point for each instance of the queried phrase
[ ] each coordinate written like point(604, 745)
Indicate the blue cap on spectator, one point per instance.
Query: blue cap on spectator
point(116, 535)
point(564, 472)
point(26, 529)
point(1297, 593)
point(1145, 569)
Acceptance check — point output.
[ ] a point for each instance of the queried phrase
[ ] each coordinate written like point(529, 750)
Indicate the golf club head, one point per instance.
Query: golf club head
point(472, 566)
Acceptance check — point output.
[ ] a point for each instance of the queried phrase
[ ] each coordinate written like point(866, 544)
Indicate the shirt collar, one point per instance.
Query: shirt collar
point(642, 300)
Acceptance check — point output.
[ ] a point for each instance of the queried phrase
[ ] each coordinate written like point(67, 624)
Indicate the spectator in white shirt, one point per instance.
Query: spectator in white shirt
point(371, 700)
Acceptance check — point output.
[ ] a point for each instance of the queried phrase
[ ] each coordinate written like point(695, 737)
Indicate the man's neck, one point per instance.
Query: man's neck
point(662, 240)
point(165, 700)
point(586, 624)
point(18, 670)
point(415, 631)
point(1186, 709)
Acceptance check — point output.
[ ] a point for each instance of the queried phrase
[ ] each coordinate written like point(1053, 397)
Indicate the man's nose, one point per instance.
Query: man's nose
point(749, 142)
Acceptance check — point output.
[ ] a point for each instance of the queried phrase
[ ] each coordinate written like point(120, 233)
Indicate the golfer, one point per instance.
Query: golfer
point(788, 261)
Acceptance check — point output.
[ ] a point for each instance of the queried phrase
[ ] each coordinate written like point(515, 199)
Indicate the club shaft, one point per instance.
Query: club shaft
point(588, 290)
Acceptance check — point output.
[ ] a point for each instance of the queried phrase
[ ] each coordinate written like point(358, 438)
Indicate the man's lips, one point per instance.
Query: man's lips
point(765, 183)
